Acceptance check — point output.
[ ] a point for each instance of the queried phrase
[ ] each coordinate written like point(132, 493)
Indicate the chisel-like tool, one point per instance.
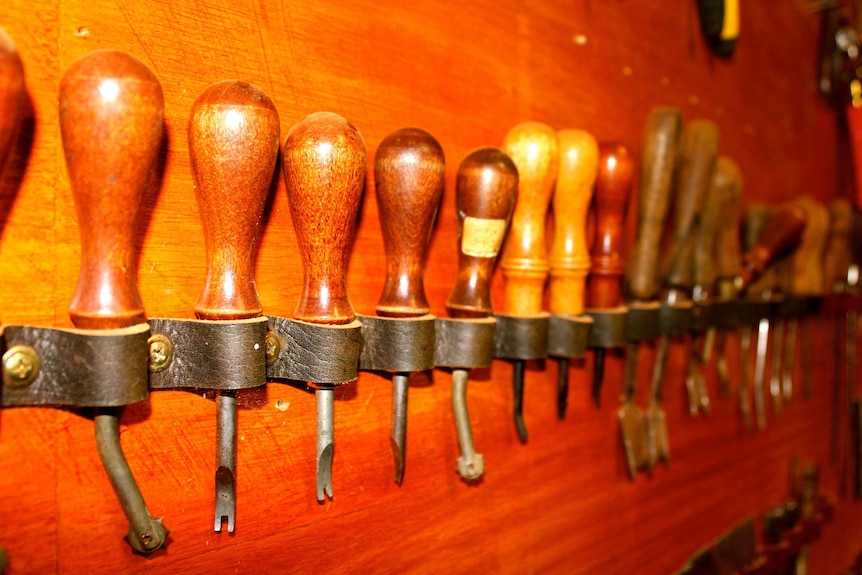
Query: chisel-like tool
point(324, 170)
point(111, 116)
point(604, 285)
point(233, 136)
point(486, 188)
point(11, 95)
point(533, 148)
point(408, 176)
point(699, 147)
point(569, 257)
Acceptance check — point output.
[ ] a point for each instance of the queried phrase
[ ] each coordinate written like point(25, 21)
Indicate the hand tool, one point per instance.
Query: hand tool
point(719, 22)
point(324, 170)
point(233, 136)
point(696, 161)
point(111, 115)
point(604, 289)
point(805, 286)
point(728, 260)
point(486, 188)
point(11, 95)
point(569, 257)
point(533, 148)
point(408, 176)
point(660, 143)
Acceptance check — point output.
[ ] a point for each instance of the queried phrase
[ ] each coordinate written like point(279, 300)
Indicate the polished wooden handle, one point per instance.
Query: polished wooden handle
point(111, 115)
point(233, 136)
point(533, 148)
point(613, 185)
point(324, 169)
point(486, 188)
point(728, 253)
point(569, 258)
point(837, 257)
point(722, 201)
point(409, 169)
point(772, 236)
point(696, 162)
point(660, 147)
point(11, 95)
point(806, 263)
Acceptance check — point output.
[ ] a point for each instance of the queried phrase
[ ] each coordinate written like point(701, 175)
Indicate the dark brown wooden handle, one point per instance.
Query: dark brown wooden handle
point(781, 231)
point(660, 148)
point(409, 169)
point(486, 188)
point(722, 201)
point(728, 253)
point(533, 148)
point(324, 169)
point(838, 257)
point(613, 185)
point(11, 95)
point(233, 146)
point(806, 262)
point(111, 115)
point(695, 163)
point(569, 258)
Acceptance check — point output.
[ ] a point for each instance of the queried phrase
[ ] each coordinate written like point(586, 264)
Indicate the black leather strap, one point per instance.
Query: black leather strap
point(521, 337)
point(674, 319)
point(316, 353)
point(397, 344)
point(609, 327)
point(464, 343)
point(568, 335)
point(642, 321)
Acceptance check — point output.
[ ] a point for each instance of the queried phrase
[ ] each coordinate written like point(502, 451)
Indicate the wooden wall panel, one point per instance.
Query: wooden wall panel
point(467, 72)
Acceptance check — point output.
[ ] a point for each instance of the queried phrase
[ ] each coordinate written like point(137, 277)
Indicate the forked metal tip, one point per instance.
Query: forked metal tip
point(471, 467)
point(225, 507)
point(324, 473)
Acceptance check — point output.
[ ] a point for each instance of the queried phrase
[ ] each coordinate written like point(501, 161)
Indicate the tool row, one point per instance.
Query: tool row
point(111, 117)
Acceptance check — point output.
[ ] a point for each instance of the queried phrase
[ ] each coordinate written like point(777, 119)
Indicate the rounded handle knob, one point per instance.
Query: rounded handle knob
point(533, 148)
point(111, 115)
point(233, 146)
point(409, 170)
point(11, 95)
point(569, 257)
point(324, 169)
point(613, 186)
point(486, 188)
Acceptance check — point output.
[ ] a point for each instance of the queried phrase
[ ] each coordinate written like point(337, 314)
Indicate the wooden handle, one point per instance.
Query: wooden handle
point(409, 168)
point(324, 169)
point(233, 145)
point(111, 115)
point(756, 218)
point(660, 148)
point(569, 258)
point(11, 95)
point(486, 188)
point(806, 263)
point(722, 202)
point(728, 253)
point(613, 186)
point(780, 234)
point(696, 162)
point(533, 148)
point(837, 257)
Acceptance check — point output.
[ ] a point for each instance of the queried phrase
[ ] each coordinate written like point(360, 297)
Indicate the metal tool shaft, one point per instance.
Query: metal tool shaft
point(762, 339)
point(324, 399)
point(562, 387)
point(471, 466)
point(225, 477)
point(398, 440)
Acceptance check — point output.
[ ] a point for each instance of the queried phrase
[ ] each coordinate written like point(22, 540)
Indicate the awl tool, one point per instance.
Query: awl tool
point(569, 258)
point(324, 170)
point(604, 285)
point(486, 188)
point(111, 116)
point(233, 136)
point(408, 174)
point(533, 148)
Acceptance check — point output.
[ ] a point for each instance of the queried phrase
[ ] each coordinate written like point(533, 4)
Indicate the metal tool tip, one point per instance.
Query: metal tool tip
point(225, 499)
point(521, 427)
point(398, 456)
point(471, 468)
point(324, 473)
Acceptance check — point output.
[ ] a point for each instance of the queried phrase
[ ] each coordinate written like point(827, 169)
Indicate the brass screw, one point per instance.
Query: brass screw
point(273, 348)
point(21, 365)
point(161, 352)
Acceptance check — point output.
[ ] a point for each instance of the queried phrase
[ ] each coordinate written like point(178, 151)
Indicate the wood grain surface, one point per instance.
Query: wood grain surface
point(465, 72)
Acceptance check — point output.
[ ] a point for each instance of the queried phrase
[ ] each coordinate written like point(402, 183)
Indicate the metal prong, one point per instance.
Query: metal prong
point(145, 533)
point(789, 356)
point(760, 373)
point(471, 466)
point(399, 422)
point(562, 387)
point(775, 375)
point(691, 385)
point(518, 407)
point(721, 363)
point(225, 477)
point(325, 443)
point(598, 376)
point(744, 376)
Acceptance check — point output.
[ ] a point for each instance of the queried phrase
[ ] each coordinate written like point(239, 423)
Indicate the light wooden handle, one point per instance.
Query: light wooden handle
point(806, 263)
point(728, 256)
point(838, 257)
point(11, 95)
point(773, 233)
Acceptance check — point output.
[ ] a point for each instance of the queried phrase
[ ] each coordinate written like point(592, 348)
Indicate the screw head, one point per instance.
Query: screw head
point(21, 365)
point(161, 352)
point(273, 347)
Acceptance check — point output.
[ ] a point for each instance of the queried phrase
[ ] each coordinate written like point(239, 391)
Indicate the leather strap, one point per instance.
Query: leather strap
point(521, 337)
point(642, 321)
point(397, 344)
point(317, 354)
point(568, 335)
point(82, 368)
point(464, 343)
point(609, 327)
point(674, 319)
